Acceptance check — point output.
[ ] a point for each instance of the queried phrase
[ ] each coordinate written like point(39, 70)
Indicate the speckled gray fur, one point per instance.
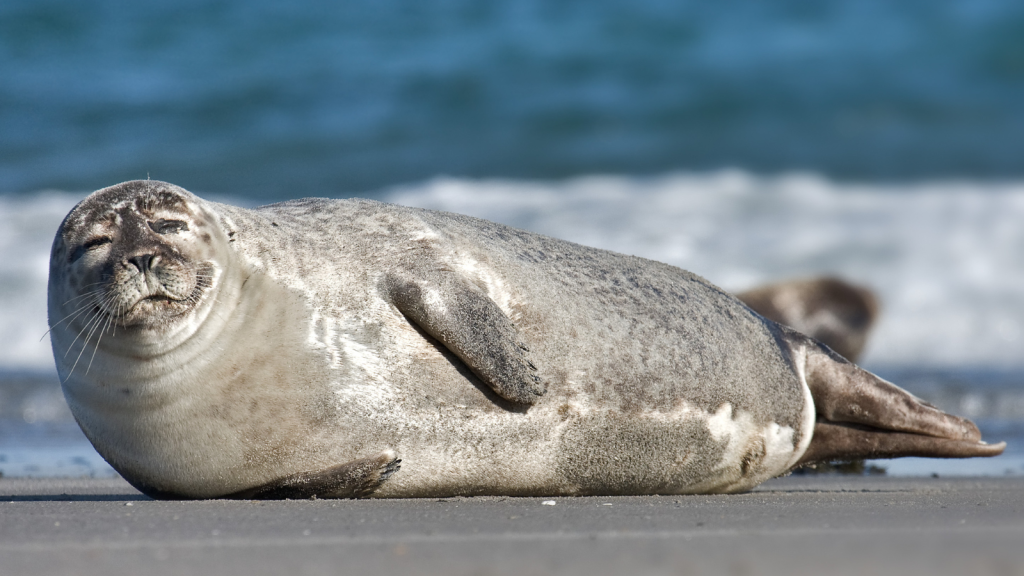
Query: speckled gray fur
point(629, 334)
point(644, 333)
point(488, 359)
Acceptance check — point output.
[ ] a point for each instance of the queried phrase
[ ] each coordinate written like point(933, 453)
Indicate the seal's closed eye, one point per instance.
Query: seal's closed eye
point(93, 243)
point(162, 226)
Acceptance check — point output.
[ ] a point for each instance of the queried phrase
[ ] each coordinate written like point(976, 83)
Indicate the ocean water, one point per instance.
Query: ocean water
point(269, 99)
point(946, 259)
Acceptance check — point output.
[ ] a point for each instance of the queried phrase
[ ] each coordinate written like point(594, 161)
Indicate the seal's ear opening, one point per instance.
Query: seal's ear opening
point(227, 225)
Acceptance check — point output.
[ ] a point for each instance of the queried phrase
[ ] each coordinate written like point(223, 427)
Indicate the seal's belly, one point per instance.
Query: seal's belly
point(455, 436)
point(567, 448)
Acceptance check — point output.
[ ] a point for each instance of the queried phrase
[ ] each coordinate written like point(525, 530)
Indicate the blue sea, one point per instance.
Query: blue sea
point(748, 141)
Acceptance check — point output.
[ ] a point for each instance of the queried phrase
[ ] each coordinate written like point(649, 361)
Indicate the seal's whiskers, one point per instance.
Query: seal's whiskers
point(98, 314)
point(98, 339)
point(74, 313)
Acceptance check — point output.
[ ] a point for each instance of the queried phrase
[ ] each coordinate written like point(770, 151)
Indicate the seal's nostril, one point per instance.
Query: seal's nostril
point(143, 262)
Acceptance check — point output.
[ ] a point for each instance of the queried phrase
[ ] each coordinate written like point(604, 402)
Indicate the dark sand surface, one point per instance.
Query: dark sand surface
point(795, 525)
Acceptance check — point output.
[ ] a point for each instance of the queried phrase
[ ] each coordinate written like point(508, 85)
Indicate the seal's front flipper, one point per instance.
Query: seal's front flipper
point(354, 479)
point(859, 415)
point(472, 327)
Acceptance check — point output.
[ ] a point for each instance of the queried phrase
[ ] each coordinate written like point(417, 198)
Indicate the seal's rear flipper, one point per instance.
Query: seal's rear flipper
point(354, 479)
point(859, 415)
point(833, 441)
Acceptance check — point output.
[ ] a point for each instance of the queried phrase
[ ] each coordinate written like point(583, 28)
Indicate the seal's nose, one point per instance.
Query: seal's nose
point(143, 262)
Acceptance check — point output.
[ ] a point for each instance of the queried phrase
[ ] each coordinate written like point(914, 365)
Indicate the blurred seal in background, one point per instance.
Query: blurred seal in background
point(832, 311)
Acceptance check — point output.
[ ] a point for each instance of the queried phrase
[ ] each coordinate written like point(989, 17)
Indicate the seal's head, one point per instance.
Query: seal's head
point(139, 258)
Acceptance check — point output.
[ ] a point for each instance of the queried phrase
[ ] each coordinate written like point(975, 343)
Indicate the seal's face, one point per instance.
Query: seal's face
point(138, 257)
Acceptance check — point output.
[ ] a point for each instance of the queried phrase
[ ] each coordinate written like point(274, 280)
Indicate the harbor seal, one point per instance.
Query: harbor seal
point(832, 311)
point(306, 348)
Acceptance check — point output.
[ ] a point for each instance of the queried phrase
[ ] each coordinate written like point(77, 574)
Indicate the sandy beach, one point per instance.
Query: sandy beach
point(794, 525)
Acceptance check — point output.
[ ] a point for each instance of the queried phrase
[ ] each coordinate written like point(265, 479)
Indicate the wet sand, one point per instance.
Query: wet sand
point(795, 525)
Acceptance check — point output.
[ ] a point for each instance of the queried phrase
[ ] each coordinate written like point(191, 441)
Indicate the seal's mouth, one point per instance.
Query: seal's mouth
point(154, 297)
point(159, 298)
point(148, 310)
point(153, 300)
point(157, 308)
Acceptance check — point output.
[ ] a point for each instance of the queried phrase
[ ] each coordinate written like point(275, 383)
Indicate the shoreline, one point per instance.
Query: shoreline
point(792, 525)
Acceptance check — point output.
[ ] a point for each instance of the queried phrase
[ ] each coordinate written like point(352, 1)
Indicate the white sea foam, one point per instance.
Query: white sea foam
point(27, 226)
point(947, 258)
